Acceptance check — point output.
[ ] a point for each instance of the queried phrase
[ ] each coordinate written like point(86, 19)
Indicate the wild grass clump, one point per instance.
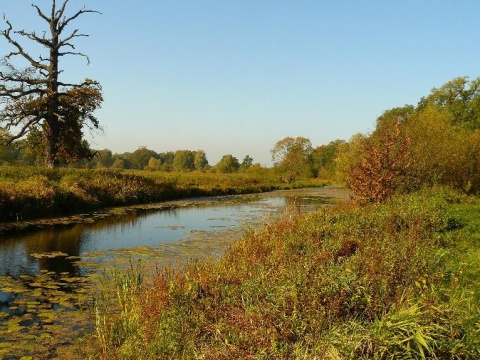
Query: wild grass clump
point(381, 281)
point(25, 199)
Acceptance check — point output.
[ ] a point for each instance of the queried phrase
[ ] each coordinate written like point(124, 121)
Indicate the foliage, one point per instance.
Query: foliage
point(291, 157)
point(227, 164)
point(200, 160)
point(247, 162)
point(184, 160)
point(323, 159)
point(104, 158)
point(436, 148)
point(460, 98)
point(153, 164)
point(349, 155)
point(380, 172)
point(140, 158)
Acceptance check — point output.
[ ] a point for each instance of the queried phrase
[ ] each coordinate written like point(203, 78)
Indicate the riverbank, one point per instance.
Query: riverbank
point(28, 194)
point(385, 281)
point(52, 273)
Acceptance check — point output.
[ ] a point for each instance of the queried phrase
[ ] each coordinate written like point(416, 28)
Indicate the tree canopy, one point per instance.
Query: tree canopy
point(291, 156)
point(34, 101)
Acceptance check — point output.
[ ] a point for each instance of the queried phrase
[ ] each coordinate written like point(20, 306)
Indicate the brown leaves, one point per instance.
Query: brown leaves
point(378, 175)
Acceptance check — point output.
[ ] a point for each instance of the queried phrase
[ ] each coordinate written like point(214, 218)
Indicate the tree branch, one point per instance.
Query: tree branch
point(34, 37)
point(23, 130)
point(65, 21)
point(20, 51)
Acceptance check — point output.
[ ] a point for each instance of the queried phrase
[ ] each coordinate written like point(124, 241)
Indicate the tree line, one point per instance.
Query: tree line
point(43, 118)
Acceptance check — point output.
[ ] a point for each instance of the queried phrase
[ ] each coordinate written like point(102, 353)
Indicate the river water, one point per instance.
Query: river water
point(59, 249)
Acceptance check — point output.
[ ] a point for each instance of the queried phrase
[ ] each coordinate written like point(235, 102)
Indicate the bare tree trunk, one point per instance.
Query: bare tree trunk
point(52, 120)
point(52, 136)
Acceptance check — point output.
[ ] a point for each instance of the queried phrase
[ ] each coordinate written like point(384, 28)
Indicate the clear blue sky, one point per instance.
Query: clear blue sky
point(235, 76)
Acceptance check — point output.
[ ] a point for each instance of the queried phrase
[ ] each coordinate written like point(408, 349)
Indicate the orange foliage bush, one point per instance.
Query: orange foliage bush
point(379, 173)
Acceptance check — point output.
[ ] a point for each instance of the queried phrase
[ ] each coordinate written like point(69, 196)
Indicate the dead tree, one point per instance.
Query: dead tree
point(34, 100)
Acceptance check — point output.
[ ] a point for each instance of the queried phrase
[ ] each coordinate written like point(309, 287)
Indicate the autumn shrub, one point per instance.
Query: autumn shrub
point(379, 174)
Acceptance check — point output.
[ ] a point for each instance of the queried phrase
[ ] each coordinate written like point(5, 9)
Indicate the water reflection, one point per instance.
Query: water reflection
point(56, 249)
point(52, 249)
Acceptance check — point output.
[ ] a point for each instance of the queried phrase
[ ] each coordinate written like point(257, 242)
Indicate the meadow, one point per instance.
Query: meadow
point(398, 279)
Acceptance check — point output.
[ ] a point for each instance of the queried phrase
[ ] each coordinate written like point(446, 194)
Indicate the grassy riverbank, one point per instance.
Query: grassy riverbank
point(29, 193)
point(399, 280)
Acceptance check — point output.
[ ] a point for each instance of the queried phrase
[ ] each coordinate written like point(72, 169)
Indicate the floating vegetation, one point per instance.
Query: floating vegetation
point(171, 227)
point(43, 312)
point(49, 255)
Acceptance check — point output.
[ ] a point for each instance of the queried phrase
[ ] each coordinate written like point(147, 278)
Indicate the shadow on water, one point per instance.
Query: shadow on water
point(43, 272)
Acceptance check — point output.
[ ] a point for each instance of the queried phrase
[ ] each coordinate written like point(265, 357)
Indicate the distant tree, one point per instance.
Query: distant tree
point(140, 157)
point(228, 164)
point(103, 158)
point(34, 97)
point(118, 164)
point(200, 160)
point(323, 158)
point(166, 158)
point(291, 157)
point(247, 162)
point(390, 117)
point(460, 98)
point(153, 164)
point(349, 155)
point(184, 160)
point(256, 168)
point(9, 155)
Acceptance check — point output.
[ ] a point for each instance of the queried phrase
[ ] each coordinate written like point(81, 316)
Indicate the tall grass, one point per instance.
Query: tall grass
point(382, 281)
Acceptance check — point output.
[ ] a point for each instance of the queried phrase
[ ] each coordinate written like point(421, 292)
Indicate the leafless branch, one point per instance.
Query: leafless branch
point(20, 51)
point(66, 21)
